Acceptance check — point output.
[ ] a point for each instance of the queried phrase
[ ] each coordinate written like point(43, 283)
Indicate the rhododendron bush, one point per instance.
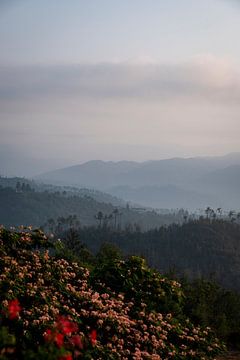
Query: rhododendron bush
point(54, 309)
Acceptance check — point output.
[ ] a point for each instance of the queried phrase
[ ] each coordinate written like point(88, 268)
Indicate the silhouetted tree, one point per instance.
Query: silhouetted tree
point(18, 187)
point(99, 217)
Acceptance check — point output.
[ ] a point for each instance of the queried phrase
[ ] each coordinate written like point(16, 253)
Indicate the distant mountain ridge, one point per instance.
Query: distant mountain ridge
point(199, 181)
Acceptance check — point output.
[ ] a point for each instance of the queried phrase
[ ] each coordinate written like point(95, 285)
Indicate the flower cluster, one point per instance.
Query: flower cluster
point(58, 311)
point(13, 309)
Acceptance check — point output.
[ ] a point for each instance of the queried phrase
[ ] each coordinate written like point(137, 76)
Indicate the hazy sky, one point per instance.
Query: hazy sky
point(117, 79)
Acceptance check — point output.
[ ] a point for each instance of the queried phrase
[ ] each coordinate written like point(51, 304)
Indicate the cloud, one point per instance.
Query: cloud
point(7, 4)
point(205, 77)
point(81, 112)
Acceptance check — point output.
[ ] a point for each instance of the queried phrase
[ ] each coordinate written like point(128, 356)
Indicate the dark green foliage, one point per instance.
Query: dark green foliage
point(210, 305)
point(108, 253)
point(200, 248)
point(78, 250)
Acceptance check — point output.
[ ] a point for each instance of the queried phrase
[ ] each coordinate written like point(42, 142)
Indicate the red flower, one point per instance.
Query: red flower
point(66, 357)
point(59, 339)
point(76, 340)
point(48, 335)
point(66, 326)
point(13, 309)
point(93, 337)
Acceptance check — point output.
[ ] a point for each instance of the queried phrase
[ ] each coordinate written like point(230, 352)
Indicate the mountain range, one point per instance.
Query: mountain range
point(171, 183)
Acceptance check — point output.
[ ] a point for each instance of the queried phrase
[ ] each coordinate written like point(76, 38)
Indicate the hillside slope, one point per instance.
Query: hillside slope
point(35, 208)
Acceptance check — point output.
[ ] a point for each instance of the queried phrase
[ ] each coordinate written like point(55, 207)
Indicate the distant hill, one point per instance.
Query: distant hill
point(96, 173)
point(191, 183)
point(227, 178)
point(66, 190)
point(168, 196)
point(35, 207)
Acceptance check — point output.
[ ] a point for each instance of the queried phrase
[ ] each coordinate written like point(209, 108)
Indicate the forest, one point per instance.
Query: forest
point(119, 274)
point(208, 248)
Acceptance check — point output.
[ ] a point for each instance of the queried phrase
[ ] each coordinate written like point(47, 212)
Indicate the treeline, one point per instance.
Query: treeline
point(197, 248)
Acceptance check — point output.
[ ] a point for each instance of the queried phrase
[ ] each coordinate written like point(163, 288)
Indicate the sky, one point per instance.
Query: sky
point(117, 80)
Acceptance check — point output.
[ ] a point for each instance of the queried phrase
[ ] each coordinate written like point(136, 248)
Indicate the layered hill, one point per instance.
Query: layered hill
point(192, 182)
point(31, 206)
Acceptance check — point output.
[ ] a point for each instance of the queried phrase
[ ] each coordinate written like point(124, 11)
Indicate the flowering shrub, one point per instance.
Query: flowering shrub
point(140, 284)
point(49, 309)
